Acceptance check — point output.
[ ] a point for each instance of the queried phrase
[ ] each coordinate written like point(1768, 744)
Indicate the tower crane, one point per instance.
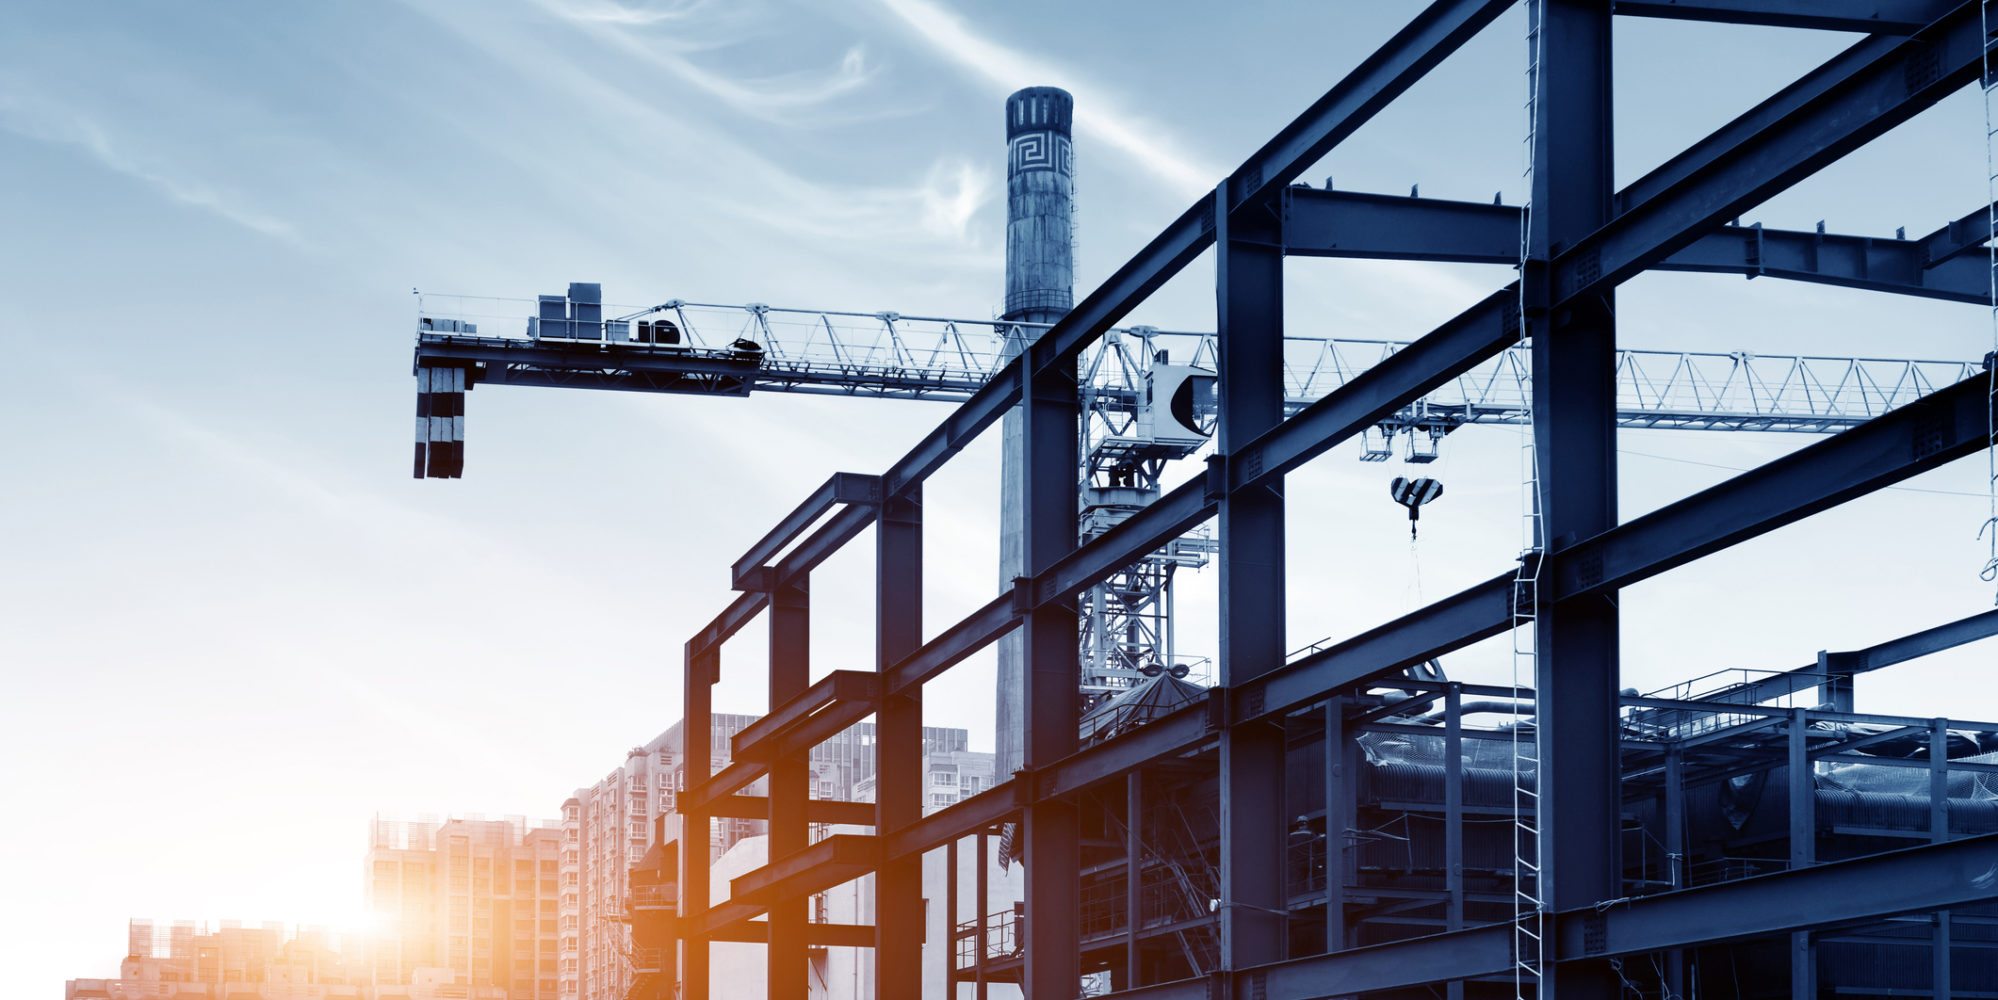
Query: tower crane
point(1148, 397)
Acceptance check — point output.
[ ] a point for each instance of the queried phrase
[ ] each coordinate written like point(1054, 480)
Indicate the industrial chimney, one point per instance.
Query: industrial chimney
point(1040, 288)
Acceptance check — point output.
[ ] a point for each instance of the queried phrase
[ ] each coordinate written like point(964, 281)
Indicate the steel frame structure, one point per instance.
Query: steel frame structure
point(1586, 239)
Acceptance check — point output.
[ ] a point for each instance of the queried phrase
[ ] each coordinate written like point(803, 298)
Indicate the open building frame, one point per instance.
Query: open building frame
point(1584, 238)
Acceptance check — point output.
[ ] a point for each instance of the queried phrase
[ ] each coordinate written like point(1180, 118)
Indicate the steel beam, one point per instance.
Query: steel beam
point(1969, 233)
point(841, 488)
point(1389, 227)
point(788, 964)
point(1945, 425)
point(898, 728)
point(759, 741)
point(836, 860)
point(1385, 227)
point(816, 935)
point(696, 724)
point(1882, 17)
point(1852, 105)
point(1834, 668)
point(1916, 880)
point(1052, 828)
point(1896, 266)
point(1576, 803)
point(816, 548)
point(1249, 307)
point(817, 810)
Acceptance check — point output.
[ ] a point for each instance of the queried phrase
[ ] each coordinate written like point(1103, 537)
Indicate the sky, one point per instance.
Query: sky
point(233, 629)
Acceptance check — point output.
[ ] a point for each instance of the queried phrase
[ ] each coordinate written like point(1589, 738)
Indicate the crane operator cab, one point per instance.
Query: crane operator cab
point(1178, 407)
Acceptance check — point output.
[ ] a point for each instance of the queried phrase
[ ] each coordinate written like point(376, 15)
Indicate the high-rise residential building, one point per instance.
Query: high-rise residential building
point(185, 960)
point(950, 776)
point(611, 823)
point(609, 826)
point(480, 899)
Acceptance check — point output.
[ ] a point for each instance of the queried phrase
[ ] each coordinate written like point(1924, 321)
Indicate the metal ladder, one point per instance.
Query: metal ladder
point(1989, 83)
point(1529, 927)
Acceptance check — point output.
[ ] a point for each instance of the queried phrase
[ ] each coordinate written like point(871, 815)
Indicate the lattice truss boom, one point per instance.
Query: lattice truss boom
point(915, 357)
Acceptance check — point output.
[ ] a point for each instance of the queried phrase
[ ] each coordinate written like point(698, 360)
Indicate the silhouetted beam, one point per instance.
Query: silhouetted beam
point(1960, 237)
point(841, 488)
point(817, 810)
point(1930, 432)
point(1882, 17)
point(1389, 227)
point(833, 861)
point(817, 935)
point(1978, 626)
point(1919, 879)
point(983, 811)
point(1900, 267)
point(819, 546)
point(1853, 105)
point(1837, 666)
point(971, 633)
point(840, 685)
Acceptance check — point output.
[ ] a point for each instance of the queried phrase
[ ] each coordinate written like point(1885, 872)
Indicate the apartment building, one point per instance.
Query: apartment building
point(950, 775)
point(478, 899)
point(611, 823)
point(184, 960)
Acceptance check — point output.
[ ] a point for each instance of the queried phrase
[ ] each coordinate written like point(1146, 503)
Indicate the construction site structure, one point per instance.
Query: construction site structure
point(1339, 820)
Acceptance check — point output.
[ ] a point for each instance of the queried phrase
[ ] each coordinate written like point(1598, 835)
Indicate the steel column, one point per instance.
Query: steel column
point(1802, 794)
point(1675, 854)
point(1134, 871)
point(786, 956)
point(1339, 799)
point(1940, 983)
point(1052, 826)
point(1249, 308)
point(697, 750)
point(898, 744)
point(984, 893)
point(950, 908)
point(1803, 850)
point(1574, 422)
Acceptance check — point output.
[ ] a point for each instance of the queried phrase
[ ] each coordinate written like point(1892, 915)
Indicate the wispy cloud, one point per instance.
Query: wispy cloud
point(924, 214)
point(1096, 111)
point(776, 99)
point(635, 15)
point(46, 122)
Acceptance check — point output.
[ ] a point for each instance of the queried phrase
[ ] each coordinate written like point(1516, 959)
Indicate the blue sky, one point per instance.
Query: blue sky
point(233, 629)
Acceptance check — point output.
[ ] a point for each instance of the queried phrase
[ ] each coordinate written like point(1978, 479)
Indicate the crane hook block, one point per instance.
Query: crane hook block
point(1413, 493)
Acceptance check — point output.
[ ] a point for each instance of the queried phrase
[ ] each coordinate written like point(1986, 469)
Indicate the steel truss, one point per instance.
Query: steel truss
point(1587, 238)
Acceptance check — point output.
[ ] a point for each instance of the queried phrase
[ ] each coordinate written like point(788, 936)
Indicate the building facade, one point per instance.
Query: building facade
point(610, 826)
point(185, 961)
point(481, 899)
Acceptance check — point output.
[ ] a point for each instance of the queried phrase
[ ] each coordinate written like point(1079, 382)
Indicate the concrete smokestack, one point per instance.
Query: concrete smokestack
point(1040, 205)
point(1040, 288)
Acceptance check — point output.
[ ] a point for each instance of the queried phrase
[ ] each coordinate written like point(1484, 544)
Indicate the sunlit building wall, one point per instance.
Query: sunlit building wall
point(185, 961)
point(479, 898)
